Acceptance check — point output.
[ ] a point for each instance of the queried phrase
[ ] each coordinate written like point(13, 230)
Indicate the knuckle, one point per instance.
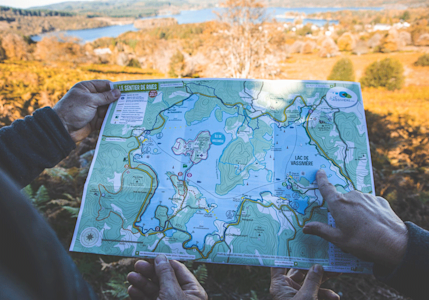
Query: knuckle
point(274, 290)
point(324, 185)
point(339, 197)
point(106, 96)
point(354, 194)
point(205, 295)
point(383, 201)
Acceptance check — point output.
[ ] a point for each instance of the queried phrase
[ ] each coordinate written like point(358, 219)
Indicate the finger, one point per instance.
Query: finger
point(328, 295)
point(326, 188)
point(329, 275)
point(278, 273)
point(145, 268)
point(143, 284)
point(323, 230)
point(96, 86)
point(136, 294)
point(312, 282)
point(166, 276)
point(383, 202)
point(99, 118)
point(102, 110)
point(104, 98)
point(297, 275)
point(183, 275)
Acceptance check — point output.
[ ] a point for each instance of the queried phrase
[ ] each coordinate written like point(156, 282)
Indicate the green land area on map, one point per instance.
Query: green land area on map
point(223, 171)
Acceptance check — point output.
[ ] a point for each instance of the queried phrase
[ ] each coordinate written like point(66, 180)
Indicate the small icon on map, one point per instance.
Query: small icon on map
point(89, 237)
point(230, 214)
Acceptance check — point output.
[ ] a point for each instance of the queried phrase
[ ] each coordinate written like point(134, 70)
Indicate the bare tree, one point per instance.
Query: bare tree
point(242, 49)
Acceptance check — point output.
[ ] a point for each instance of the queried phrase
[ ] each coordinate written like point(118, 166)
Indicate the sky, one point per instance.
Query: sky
point(31, 3)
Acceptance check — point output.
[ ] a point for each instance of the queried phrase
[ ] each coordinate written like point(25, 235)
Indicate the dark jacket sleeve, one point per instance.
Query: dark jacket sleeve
point(33, 262)
point(30, 145)
point(411, 276)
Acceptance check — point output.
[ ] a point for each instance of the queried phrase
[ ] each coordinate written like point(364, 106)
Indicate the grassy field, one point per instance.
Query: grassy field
point(397, 123)
point(28, 85)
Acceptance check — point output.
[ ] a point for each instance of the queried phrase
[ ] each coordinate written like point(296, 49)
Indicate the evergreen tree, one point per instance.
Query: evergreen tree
point(343, 70)
point(423, 60)
point(388, 73)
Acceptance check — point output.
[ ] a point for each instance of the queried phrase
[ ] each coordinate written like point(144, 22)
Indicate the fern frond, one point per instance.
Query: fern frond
point(74, 211)
point(201, 273)
point(253, 295)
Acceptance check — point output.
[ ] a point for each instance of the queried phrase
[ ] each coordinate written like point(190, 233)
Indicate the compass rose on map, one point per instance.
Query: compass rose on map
point(89, 237)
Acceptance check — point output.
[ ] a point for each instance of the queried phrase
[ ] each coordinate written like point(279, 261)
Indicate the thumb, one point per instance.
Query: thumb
point(167, 277)
point(311, 285)
point(107, 97)
point(323, 230)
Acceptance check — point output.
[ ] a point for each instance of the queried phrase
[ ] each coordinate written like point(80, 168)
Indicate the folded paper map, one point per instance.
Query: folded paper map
point(223, 171)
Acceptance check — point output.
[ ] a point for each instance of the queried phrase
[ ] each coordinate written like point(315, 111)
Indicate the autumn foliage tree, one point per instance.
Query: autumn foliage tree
point(56, 49)
point(15, 47)
point(242, 51)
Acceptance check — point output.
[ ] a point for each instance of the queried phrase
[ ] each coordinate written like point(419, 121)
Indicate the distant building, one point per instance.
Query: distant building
point(314, 27)
point(101, 51)
point(381, 27)
point(401, 25)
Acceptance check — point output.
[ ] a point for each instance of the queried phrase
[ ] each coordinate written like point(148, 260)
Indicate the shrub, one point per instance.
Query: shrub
point(134, 63)
point(388, 73)
point(343, 70)
point(177, 65)
point(423, 60)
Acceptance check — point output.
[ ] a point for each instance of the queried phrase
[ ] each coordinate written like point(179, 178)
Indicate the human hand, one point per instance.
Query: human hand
point(366, 226)
point(164, 280)
point(83, 108)
point(295, 285)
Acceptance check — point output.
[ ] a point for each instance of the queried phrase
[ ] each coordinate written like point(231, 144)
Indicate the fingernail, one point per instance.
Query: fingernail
point(318, 269)
point(116, 92)
point(322, 171)
point(161, 259)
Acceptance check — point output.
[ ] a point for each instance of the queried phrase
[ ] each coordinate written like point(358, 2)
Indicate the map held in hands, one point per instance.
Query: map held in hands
point(223, 171)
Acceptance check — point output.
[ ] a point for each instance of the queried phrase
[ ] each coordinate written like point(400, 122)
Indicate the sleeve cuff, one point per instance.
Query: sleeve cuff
point(54, 127)
point(410, 276)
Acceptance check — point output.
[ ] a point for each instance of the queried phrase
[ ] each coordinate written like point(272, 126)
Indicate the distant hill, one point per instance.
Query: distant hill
point(141, 8)
point(345, 3)
point(35, 21)
point(10, 11)
point(145, 8)
point(127, 8)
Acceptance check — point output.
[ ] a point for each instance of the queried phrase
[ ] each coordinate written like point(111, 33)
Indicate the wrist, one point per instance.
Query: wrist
point(61, 118)
point(399, 247)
